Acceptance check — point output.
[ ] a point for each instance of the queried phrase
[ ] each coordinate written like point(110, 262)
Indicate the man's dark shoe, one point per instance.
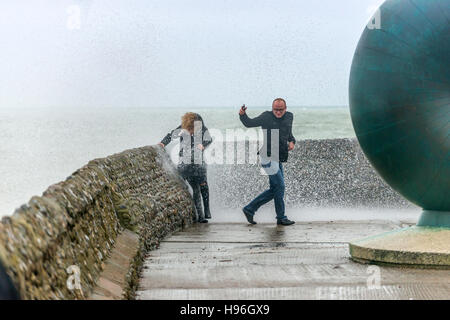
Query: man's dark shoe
point(285, 222)
point(249, 216)
point(203, 221)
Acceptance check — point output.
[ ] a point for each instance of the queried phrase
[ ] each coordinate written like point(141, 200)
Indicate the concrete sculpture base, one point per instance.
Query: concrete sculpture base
point(415, 246)
point(440, 219)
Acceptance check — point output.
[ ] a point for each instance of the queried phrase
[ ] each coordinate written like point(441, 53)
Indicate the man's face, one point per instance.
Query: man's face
point(279, 109)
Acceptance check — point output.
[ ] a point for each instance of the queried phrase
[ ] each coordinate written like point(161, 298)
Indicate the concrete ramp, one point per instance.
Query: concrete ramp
point(265, 261)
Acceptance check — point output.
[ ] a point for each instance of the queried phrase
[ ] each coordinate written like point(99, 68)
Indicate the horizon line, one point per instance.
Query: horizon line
point(167, 107)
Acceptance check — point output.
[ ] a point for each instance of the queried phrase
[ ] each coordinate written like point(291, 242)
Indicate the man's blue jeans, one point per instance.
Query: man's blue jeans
point(276, 191)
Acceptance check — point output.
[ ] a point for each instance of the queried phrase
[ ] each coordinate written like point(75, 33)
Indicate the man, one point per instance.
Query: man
point(276, 122)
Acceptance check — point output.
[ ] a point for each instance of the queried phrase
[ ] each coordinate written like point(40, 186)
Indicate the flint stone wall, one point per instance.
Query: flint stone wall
point(76, 222)
point(319, 173)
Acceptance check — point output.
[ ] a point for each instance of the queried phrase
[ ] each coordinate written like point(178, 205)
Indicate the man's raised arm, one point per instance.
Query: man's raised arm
point(248, 122)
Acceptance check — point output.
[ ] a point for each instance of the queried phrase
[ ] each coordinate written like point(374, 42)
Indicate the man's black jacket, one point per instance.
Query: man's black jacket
point(268, 121)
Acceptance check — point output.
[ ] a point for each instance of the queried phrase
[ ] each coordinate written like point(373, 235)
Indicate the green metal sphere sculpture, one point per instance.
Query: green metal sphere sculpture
point(400, 101)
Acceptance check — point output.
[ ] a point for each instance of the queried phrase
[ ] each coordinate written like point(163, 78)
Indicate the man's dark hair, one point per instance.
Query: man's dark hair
point(280, 99)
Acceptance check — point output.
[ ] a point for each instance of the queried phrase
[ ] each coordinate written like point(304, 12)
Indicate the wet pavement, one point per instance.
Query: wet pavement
point(309, 260)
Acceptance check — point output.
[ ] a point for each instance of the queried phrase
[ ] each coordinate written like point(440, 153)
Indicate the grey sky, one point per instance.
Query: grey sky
point(185, 53)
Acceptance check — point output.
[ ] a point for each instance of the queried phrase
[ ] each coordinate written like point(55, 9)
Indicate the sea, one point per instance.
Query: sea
point(43, 146)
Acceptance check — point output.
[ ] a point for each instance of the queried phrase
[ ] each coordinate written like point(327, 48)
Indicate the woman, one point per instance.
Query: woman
point(194, 138)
